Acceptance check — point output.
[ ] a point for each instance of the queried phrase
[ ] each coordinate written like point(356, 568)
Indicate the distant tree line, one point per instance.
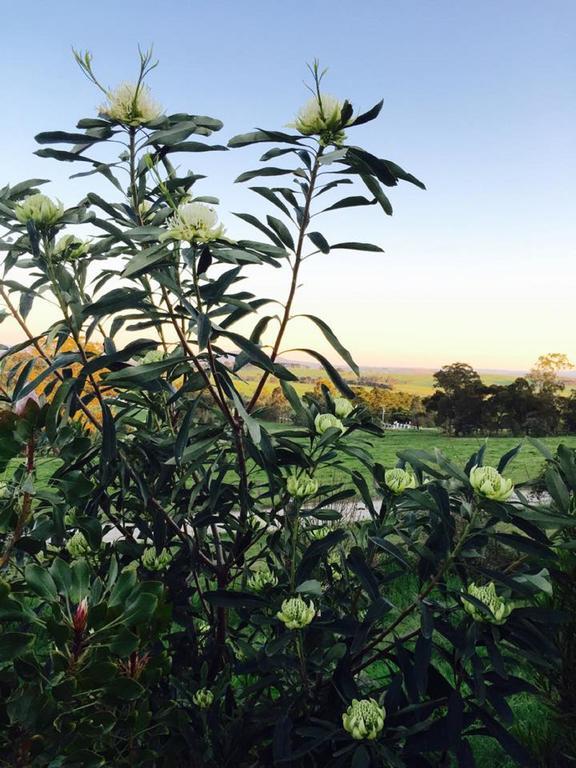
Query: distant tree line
point(535, 404)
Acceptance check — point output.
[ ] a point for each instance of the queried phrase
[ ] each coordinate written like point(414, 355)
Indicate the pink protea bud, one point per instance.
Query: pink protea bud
point(80, 618)
point(25, 403)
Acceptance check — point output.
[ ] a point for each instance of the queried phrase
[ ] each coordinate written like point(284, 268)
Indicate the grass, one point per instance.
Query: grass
point(525, 467)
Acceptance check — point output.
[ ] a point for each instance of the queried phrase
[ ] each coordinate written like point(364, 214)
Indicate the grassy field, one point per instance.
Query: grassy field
point(524, 467)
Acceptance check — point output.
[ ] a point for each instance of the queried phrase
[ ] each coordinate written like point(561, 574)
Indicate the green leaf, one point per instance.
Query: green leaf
point(376, 190)
point(257, 137)
point(366, 117)
point(333, 341)
point(358, 247)
point(266, 171)
point(333, 374)
point(319, 241)
point(350, 202)
point(41, 582)
point(310, 587)
point(14, 644)
point(223, 599)
point(282, 231)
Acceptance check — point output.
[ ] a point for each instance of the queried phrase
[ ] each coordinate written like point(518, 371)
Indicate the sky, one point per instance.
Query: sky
point(479, 103)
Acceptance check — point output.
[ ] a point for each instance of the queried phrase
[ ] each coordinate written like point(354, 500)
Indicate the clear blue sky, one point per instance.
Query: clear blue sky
point(479, 103)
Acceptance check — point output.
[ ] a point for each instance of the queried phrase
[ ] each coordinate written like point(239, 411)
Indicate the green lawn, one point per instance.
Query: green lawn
point(524, 467)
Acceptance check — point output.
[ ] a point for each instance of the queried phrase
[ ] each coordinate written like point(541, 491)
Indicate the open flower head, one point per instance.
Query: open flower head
point(77, 546)
point(301, 487)
point(131, 104)
point(326, 421)
point(398, 480)
point(39, 209)
point(342, 407)
point(296, 613)
point(321, 116)
point(156, 561)
point(364, 719)
point(262, 579)
point(196, 223)
point(203, 698)
point(488, 482)
point(498, 608)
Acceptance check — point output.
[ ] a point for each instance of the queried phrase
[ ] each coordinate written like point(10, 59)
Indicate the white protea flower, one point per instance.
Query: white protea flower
point(301, 487)
point(296, 613)
point(131, 104)
point(195, 222)
point(398, 480)
point(488, 482)
point(342, 407)
point(203, 698)
point(77, 546)
point(39, 209)
point(325, 421)
point(156, 561)
point(70, 247)
point(262, 579)
point(364, 719)
point(321, 116)
point(498, 608)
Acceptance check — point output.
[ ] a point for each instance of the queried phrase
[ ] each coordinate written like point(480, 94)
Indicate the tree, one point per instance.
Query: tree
point(459, 400)
point(544, 375)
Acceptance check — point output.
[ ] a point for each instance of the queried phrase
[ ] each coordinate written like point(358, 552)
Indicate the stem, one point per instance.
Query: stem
point(294, 282)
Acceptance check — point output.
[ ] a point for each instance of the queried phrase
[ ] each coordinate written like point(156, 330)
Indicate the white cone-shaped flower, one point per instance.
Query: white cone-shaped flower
point(364, 719)
point(195, 222)
point(40, 209)
point(296, 613)
point(131, 104)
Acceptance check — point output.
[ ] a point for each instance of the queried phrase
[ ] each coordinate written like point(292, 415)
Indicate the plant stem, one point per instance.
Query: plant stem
point(298, 254)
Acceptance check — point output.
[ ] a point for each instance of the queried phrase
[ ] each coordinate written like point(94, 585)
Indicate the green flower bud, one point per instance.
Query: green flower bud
point(203, 698)
point(488, 482)
point(335, 564)
point(301, 487)
point(77, 546)
point(40, 209)
point(153, 561)
point(325, 421)
point(364, 719)
point(397, 480)
point(319, 532)
point(342, 407)
point(131, 104)
point(69, 248)
point(261, 579)
point(499, 609)
point(296, 613)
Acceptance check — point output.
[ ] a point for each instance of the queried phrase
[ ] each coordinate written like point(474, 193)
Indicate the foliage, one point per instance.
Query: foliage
point(179, 588)
point(464, 405)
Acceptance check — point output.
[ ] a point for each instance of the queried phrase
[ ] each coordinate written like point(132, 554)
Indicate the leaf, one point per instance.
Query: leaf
point(333, 374)
point(266, 171)
point(319, 241)
point(310, 587)
point(391, 549)
point(366, 117)
point(282, 231)
point(333, 341)
point(256, 137)
point(63, 137)
point(376, 190)
point(350, 202)
point(14, 644)
point(358, 247)
point(357, 563)
point(40, 582)
point(224, 599)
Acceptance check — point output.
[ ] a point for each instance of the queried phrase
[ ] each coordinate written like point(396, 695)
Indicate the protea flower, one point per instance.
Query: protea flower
point(342, 407)
point(325, 421)
point(397, 480)
point(196, 223)
point(203, 698)
point(301, 487)
point(364, 719)
point(153, 561)
point(262, 578)
point(498, 608)
point(296, 613)
point(39, 209)
point(131, 104)
point(321, 116)
point(488, 482)
point(77, 546)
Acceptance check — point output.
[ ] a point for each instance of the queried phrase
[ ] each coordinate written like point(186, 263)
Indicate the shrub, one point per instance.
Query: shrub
point(178, 589)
